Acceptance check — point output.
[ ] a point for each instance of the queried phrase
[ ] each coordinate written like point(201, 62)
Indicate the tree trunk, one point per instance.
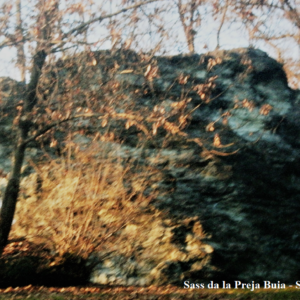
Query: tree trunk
point(10, 197)
point(191, 41)
point(12, 190)
point(21, 60)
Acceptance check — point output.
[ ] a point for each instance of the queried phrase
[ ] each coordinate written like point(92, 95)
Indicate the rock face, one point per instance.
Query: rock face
point(10, 93)
point(228, 189)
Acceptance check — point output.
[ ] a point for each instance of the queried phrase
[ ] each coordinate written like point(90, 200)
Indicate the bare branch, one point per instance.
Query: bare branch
point(13, 43)
point(293, 15)
point(82, 27)
point(57, 123)
point(221, 24)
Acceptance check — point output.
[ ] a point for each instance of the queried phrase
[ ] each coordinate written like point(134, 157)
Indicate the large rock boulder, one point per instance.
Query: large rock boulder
point(241, 187)
point(226, 184)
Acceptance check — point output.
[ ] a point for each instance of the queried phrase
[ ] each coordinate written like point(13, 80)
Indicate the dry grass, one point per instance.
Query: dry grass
point(149, 293)
point(82, 203)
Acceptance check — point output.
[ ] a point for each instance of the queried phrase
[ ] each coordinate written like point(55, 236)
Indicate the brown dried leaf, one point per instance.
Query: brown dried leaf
point(217, 141)
point(265, 109)
point(147, 70)
point(248, 104)
point(171, 127)
point(210, 127)
point(183, 79)
point(129, 123)
point(126, 71)
point(53, 143)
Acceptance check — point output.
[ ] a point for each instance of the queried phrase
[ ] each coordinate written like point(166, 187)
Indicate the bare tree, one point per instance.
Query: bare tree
point(48, 38)
point(190, 19)
point(224, 10)
point(21, 59)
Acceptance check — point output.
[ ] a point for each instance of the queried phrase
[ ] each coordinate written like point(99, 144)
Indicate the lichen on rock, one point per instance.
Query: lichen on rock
point(224, 187)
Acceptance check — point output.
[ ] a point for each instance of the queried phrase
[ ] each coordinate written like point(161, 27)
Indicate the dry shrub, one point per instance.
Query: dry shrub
point(93, 204)
point(83, 202)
